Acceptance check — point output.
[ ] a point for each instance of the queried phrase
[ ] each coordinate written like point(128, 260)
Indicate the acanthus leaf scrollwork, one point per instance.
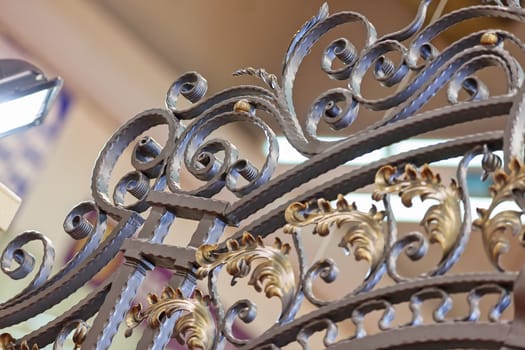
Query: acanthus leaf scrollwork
point(363, 235)
point(7, 342)
point(274, 275)
point(442, 221)
point(195, 327)
point(508, 186)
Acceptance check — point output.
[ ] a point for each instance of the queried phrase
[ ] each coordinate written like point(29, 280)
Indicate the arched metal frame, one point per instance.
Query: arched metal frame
point(198, 318)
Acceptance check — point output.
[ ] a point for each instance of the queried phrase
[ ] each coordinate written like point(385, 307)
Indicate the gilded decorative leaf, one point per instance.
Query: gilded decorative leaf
point(274, 275)
point(7, 342)
point(442, 221)
point(195, 327)
point(507, 187)
point(363, 231)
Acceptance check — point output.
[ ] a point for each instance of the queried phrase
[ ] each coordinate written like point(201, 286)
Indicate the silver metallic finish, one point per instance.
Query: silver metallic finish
point(147, 202)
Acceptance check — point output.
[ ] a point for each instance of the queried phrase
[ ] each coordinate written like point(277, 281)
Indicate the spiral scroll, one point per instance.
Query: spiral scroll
point(26, 261)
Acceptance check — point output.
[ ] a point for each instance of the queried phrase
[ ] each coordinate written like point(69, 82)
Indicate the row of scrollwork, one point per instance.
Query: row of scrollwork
point(218, 164)
point(197, 327)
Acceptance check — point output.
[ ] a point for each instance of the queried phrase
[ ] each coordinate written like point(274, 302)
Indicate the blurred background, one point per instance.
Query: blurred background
point(118, 58)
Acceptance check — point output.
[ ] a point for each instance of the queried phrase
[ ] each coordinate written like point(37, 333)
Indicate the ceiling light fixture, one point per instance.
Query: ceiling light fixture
point(26, 95)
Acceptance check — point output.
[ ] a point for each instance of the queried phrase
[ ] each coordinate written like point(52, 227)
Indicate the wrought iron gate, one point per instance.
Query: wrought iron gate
point(282, 270)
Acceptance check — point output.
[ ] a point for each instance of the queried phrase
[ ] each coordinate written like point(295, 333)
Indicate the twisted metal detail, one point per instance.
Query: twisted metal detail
point(144, 203)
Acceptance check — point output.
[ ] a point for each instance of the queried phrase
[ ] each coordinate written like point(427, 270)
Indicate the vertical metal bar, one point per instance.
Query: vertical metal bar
point(118, 302)
point(209, 230)
point(124, 287)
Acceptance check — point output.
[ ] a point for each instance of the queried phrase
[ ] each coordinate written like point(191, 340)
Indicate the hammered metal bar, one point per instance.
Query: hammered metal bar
point(150, 202)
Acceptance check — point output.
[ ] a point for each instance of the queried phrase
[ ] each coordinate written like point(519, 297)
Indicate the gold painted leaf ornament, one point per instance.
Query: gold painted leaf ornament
point(363, 230)
point(195, 327)
point(442, 221)
point(507, 187)
point(273, 274)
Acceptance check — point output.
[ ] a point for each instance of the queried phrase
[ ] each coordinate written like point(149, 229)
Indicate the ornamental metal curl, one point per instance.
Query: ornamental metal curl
point(146, 203)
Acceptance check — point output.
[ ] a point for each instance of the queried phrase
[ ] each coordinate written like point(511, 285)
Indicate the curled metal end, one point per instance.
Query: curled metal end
point(191, 85)
point(489, 163)
point(246, 169)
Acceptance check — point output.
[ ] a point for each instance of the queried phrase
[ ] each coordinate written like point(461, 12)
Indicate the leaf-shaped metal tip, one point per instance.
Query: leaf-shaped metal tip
point(323, 11)
point(322, 229)
point(268, 78)
point(378, 195)
point(515, 165)
point(324, 205)
point(459, 190)
point(277, 243)
point(341, 203)
point(410, 172)
point(302, 32)
point(273, 292)
point(178, 294)
point(247, 239)
point(233, 245)
point(482, 212)
point(197, 294)
point(152, 298)
point(426, 173)
point(500, 179)
point(79, 335)
point(233, 282)
point(385, 174)
point(167, 293)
